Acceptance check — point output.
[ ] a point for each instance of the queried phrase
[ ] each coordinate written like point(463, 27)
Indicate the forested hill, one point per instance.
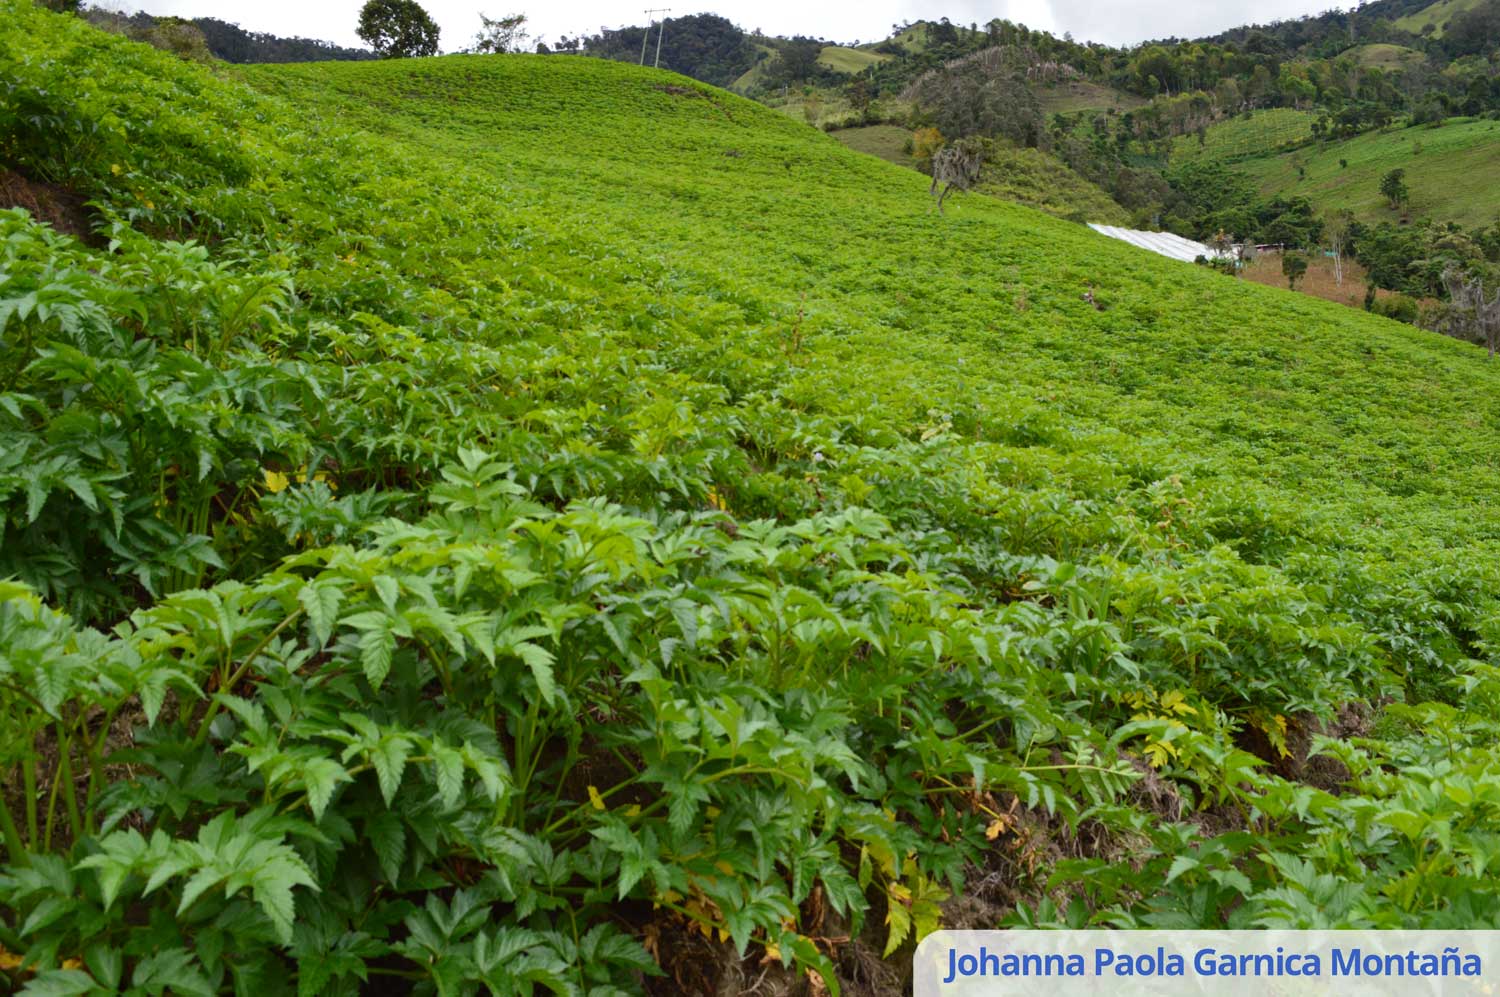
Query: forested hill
point(230, 42)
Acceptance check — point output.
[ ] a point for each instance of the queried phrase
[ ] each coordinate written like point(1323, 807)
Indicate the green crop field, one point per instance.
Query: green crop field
point(1437, 15)
point(538, 524)
point(1450, 171)
point(1238, 137)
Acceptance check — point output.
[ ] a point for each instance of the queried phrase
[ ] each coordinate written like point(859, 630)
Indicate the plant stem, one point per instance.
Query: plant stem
point(14, 847)
point(70, 793)
point(234, 679)
point(28, 788)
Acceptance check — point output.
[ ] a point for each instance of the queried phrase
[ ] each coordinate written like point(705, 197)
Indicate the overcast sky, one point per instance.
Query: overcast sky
point(1117, 22)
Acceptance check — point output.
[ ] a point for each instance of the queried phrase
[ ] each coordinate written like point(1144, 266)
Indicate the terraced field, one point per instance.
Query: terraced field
point(1240, 137)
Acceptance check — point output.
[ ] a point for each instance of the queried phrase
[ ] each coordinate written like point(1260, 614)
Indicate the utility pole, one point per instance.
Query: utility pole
point(647, 36)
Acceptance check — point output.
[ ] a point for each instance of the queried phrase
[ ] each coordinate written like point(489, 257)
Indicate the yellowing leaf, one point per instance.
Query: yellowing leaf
point(276, 481)
point(1175, 701)
point(1158, 753)
point(595, 798)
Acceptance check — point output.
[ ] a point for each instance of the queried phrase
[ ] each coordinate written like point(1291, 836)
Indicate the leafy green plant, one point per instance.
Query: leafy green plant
point(429, 583)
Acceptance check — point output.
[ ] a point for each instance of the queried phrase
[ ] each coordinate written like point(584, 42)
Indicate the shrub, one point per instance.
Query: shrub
point(1400, 307)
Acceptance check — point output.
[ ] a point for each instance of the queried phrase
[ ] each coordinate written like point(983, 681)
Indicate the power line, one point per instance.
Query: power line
point(662, 30)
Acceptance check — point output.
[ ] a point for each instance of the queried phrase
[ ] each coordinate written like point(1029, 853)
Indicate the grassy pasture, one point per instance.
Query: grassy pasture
point(1450, 171)
point(1386, 56)
point(1084, 95)
point(850, 60)
point(888, 142)
point(1437, 15)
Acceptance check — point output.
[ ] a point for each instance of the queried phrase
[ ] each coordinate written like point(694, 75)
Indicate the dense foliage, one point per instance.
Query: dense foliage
point(1209, 197)
point(541, 524)
point(397, 29)
point(981, 97)
point(704, 46)
point(231, 42)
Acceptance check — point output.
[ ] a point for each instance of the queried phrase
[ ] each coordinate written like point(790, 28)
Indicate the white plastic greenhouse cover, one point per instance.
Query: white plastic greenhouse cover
point(1163, 243)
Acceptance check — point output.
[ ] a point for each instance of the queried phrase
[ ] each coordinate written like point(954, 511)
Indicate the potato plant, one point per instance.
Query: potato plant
point(492, 523)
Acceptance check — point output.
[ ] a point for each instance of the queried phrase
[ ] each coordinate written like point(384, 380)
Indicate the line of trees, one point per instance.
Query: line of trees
point(704, 46)
point(210, 37)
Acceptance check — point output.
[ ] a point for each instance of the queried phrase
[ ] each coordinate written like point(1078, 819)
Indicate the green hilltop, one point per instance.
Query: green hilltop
point(1450, 170)
point(1434, 17)
point(550, 523)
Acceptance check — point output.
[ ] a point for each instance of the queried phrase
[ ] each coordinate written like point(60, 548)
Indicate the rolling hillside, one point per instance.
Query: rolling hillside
point(543, 523)
point(1240, 137)
point(1024, 176)
point(1385, 56)
point(1436, 16)
point(1450, 171)
point(1084, 95)
point(849, 60)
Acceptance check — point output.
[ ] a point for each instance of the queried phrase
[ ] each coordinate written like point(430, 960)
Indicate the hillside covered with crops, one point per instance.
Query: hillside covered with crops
point(540, 525)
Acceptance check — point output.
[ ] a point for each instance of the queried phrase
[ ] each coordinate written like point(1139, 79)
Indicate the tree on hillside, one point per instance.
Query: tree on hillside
point(1393, 186)
point(925, 143)
point(858, 94)
point(797, 62)
point(1475, 31)
point(182, 38)
point(398, 29)
point(1222, 243)
point(1336, 230)
point(1476, 315)
point(988, 97)
point(1293, 267)
point(956, 165)
point(507, 34)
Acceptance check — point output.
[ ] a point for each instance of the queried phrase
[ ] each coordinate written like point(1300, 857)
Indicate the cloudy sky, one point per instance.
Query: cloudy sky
point(1116, 22)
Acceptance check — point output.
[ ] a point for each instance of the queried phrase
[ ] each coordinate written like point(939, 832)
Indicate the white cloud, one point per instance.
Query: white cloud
point(1117, 22)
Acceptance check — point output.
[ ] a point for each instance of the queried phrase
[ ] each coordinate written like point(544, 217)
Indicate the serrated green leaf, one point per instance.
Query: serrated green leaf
point(320, 776)
point(388, 838)
point(272, 886)
point(377, 646)
point(321, 601)
point(389, 760)
point(539, 660)
point(58, 983)
point(448, 765)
